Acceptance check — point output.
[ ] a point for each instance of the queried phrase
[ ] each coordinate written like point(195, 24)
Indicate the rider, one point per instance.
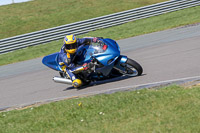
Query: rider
point(67, 54)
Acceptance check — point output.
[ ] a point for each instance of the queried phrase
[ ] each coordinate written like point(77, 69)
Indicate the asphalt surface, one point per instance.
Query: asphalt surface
point(166, 56)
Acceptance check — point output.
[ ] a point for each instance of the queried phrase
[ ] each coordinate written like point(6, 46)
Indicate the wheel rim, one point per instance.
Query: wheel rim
point(130, 70)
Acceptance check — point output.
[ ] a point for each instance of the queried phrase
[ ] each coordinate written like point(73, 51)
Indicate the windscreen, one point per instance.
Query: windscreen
point(98, 47)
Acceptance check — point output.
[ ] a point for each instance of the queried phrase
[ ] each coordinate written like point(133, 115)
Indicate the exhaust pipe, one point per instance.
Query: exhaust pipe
point(62, 80)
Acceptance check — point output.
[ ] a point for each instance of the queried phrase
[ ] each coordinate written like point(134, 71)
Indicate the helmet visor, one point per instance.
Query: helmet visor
point(71, 46)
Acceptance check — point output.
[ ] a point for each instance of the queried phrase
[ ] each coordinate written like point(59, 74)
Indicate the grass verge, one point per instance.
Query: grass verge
point(169, 109)
point(143, 26)
point(20, 18)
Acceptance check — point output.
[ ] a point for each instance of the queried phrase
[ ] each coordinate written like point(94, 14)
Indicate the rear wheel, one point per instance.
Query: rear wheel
point(132, 68)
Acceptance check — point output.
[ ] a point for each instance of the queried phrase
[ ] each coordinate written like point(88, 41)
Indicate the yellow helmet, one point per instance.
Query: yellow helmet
point(70, 42)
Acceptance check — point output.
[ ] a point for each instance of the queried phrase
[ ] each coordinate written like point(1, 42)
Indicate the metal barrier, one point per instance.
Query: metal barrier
point(57, 33)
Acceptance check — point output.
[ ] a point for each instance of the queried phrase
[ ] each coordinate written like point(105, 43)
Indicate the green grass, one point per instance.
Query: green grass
point(152, 24)
point(143, 26)
point(36, 15)
point(170, 109)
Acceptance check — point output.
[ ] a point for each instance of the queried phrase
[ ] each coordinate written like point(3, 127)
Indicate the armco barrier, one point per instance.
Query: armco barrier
point(56, 33)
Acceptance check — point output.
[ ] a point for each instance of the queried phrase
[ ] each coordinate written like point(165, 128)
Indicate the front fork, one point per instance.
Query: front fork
point(122, 59)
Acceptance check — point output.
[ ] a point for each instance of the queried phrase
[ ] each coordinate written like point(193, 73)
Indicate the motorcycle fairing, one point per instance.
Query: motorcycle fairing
point(120, 61)
point(52, 61)
point(105, 70)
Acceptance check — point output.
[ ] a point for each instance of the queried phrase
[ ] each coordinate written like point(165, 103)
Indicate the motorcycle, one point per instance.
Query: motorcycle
point(105, 57)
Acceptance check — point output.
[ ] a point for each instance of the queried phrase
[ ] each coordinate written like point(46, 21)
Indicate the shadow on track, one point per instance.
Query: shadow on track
point(95, 83)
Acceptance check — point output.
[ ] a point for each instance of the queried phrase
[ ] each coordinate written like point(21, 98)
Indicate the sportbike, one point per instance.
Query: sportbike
point(105, 57)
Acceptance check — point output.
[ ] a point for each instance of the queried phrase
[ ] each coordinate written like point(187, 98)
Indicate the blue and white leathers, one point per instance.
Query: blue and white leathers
point(67, 60)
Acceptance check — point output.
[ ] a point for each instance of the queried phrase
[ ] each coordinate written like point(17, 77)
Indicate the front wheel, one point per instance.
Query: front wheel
point(132, 68)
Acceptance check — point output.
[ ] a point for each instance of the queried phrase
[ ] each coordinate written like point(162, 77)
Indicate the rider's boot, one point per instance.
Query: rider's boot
point(75, 81)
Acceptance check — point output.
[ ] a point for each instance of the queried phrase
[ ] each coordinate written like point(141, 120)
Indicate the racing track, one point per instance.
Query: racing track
point(166, 56)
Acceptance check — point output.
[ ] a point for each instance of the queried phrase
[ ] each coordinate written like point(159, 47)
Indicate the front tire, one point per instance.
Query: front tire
point(132, 68)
